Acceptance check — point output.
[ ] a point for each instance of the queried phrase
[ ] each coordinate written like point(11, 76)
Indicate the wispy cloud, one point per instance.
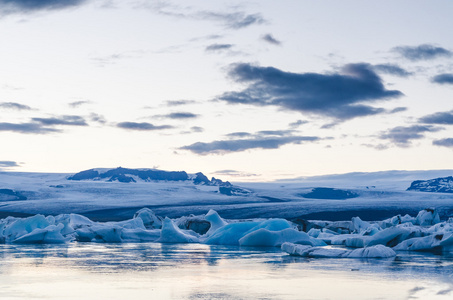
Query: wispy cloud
point(297, 124)
point(422, 52)
point(337, 95)
point(218, 47)
point(392, 69)
point(28, 128)
point(143, 126)
point(270, 39)
point(62, 120)
point(14, 105)
point(178, 116)
point(234, 173)
point(97, 118)
point(403, 136)
point(8, 164)
point(179, 102)
point(446, 78)
point(77, 104)
point(231, 20)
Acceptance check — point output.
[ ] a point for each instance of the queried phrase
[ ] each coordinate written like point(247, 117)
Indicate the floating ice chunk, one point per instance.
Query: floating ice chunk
point(230, 234)
point(358, 241)
point(215, 220)
point(378, 251)
point(49, 235)
point(197, 224)
point(338, 239)
point(314, 232)
point(267, 238)
point(359, 225)
point(150, 220)
point(20, 227)
point(100, 234)
point(388, 237)
point(128, 224)
point(170, 233)
point(139, 235)
point(408, 219)
point(435, 242)
point(427, 217)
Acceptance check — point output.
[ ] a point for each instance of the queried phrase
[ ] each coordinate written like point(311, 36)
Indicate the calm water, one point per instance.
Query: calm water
point(184, 271)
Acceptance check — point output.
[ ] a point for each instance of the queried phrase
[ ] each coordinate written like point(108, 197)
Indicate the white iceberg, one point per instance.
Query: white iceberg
point(267, 238)
point(378, 251)
point(49, 235)
point(170, 233)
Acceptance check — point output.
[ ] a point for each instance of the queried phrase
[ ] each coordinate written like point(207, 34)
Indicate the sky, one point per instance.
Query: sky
point(239, 90)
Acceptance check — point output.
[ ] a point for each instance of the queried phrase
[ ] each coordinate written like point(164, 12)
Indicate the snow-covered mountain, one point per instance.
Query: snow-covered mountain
point(436, 185)
point(115, 194)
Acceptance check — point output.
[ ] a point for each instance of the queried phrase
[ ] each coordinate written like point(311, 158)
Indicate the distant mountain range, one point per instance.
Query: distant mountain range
point(436, 185)
point(126, 175)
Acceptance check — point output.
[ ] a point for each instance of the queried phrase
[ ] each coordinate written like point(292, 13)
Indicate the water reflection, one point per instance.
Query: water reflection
point(195, 271)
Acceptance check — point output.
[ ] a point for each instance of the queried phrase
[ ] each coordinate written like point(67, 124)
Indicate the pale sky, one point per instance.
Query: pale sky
point(243, 91)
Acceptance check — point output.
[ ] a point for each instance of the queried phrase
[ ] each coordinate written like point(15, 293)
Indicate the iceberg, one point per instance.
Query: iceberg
point(267, 238)
point(49, 235)
point(170, 233)
point(378, 251)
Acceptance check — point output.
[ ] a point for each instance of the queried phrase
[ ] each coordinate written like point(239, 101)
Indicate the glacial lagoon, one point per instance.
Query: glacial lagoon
point(198, 271)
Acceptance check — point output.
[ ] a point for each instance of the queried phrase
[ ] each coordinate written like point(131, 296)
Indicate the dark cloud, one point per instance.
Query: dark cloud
point(227, 146)
point(179, 102)
point(179, 116)
point(30, 128)
point(144, 126)
point(76, 104)
point(446, 78)
point(422, 52)
point(402, 136)
point(392, 69)
point(448, 142)
point(270, 39)
point(444, 118)
point(8, 164)
point(14, 105)
point(338, 95)
point(62, 120)
point(25, 6)
point(218, 47)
